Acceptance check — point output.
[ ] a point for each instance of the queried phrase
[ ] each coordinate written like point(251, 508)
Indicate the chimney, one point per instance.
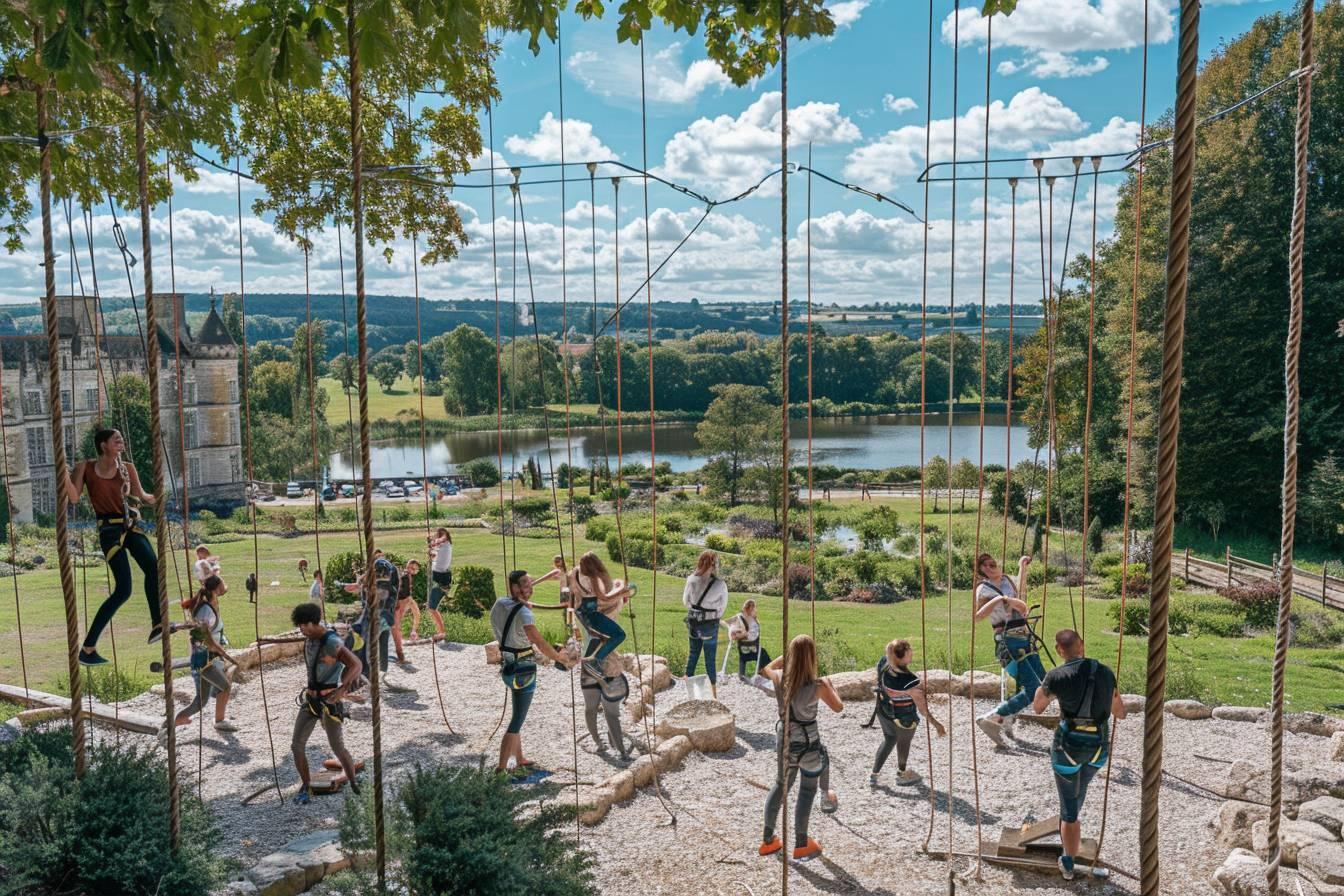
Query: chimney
point(82, 312)
point(172, 313)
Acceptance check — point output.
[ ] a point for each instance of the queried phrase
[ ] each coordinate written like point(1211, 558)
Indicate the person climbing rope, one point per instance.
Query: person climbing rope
point(604, 693)
point(440, 576)
point(332, 671)
point(1088, 700)
point(900, 703)
point(705, 597)
point(800, 748)
point(996, 598)
point(745, 631)
point(406, 604)
point(213, 677)
point(113, 485)
point(600, 599)
point(379, 597)
point(516, 631)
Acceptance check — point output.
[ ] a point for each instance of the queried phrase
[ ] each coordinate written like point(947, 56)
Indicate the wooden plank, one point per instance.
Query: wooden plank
point(1016, 838)
point(127, 721)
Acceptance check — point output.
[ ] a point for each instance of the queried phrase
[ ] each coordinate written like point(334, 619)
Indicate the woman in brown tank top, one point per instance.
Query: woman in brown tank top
point(110, 483)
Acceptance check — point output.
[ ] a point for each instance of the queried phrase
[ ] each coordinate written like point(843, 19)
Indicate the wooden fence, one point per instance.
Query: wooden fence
point(1321, 587)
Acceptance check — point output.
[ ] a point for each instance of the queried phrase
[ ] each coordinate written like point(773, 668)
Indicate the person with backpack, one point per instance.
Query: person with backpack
point(1088, 700)
point(900, 702)
point(332, 671)
point(745, 631)
point(440, 575)
point(214, 679)
point(705, 597)
point(997, 599)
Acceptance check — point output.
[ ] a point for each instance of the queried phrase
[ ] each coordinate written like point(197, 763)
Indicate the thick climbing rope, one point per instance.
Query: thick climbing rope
point(312, 418)
point(366, 507)
point(1169, 423)
point(811, 498)
point(245, 387)
point(1291, 414)
point(349, 401)
point(499, 350)
point(157, 456)
point(1129, 413)
point(62, 470)
point(980, 484)
point(784, 745)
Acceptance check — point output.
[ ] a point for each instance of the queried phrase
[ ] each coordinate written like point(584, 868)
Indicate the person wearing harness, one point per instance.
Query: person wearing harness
point(112, 484)
point(213, 678)
point(332, 671)
point(515, 629)
point(996, 599)
point(705, 597)
point(380, 598)
point(600, 599)
point(440, 576)
point(900, 703)
point(406, 604)
point(799, 748)
point(1088, 700)
point(745, 631)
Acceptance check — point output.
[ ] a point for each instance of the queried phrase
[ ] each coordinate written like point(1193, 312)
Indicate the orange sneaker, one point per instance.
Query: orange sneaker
point(771, 846)
point(808, 852)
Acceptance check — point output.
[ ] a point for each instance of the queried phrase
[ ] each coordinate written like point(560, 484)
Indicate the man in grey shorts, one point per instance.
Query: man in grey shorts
point(332, 670)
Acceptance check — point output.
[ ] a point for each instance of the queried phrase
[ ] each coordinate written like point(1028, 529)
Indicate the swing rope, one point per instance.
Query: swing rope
point(1087, 411)
point(312, 418)
point(784, 747)
point(1012, 317)
point(951, 401)
point(349, 400)
point(13, 534)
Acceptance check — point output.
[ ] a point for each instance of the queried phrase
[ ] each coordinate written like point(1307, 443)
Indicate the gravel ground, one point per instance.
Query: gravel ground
point(872, 844)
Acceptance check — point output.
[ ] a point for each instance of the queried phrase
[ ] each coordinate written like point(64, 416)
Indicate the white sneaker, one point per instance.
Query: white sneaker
point(992, 724)
point(1066, 868)
point(1008, 723)
point(225, 726)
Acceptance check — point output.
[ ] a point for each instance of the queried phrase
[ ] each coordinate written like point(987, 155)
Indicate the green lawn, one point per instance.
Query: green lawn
point(402, 399)
point(850, 635)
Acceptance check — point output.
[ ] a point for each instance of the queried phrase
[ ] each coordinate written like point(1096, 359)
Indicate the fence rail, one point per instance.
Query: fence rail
point(1321, 587)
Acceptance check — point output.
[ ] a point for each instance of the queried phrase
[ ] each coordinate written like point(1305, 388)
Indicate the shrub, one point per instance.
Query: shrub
point(106, 835)
point(1316, 629)
point(724, 544)
point(1259, 602)
point(583, 508)
point(456, 830)
point(340, 568)
point(1137, 585)
point(614, 548)
point(609, 492)
point(473, 590)
point(598, 528)
point(1180, 619)
point(482, 472)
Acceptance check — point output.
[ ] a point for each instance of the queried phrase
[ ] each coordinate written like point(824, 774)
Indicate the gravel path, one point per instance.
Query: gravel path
point(872, 844)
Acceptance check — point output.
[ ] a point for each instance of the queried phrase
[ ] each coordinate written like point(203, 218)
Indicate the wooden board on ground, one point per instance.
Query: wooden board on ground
point(331, 763)
point(326, 781)
point(128, 721)
point(1024, 843)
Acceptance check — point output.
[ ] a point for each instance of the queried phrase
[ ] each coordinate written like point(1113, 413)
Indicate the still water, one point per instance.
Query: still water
point(862, 442)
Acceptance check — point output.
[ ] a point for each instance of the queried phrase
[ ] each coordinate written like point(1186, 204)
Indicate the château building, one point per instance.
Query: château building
point(207, 416)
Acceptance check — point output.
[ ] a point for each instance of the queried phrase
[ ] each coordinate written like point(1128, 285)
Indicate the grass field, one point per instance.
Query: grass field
point(1233, 671)
point(382, 405)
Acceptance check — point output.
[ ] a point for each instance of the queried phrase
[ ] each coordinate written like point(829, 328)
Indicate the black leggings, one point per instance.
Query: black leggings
point(893, 735)
point(760, 658)
point(135, 545)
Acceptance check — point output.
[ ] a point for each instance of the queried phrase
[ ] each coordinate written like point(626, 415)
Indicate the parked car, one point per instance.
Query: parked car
point(348, 490)
point(394, 491)
point(451, 489)
point(328, 493)
point(412, 487)
point(293, 490)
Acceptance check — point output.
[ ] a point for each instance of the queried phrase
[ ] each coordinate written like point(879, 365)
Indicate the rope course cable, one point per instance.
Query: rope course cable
point(784, 536)
point(951, 398)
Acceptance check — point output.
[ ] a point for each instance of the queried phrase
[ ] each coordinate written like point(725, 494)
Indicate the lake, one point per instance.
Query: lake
point(861, 442)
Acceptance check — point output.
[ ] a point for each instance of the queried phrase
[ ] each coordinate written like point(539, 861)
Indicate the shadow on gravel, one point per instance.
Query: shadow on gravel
point(837, 881)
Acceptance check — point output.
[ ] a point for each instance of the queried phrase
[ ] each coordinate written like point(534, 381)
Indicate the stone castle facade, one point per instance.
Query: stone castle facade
point(208, 414)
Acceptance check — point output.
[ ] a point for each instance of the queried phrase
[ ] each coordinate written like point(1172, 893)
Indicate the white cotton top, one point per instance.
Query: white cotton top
point(1002, 613)
point(205, 569)
point(714, 590)
point(443, 557)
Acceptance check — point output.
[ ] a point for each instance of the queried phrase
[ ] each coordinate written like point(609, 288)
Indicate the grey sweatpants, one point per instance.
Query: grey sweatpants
point(592, 698)
point(304, 724)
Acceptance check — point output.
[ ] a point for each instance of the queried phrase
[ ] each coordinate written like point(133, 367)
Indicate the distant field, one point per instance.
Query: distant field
point(382, 405)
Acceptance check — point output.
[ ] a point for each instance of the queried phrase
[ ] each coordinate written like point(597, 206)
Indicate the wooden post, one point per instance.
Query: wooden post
point(1187, 566)
point(1229, 565)
point(1325, 581)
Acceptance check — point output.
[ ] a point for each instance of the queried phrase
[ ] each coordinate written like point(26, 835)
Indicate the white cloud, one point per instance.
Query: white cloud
point(1118, 135)
point(584, 212)
point(616, 74)
point(898, 104)
point(847, 12)
point(210, 181)
point(728, 154)
point(1052, 64)
point(581, 144)
point(1030, 117)
point(1066, 25)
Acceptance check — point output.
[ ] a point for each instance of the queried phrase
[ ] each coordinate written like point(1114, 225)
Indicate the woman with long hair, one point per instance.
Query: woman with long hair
point(900, 703)
point(112, 485)
point(997, 598)
point(797, 689)
point(745, 630)
point(440, 576)
point(705, 597)
point(600, 598)
point(213, 678)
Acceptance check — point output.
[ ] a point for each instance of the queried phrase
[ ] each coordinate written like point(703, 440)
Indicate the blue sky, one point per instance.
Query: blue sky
point(1065, 80)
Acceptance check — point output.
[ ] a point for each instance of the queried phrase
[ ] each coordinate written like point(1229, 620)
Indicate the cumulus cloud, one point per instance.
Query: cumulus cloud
point(1051, 64)
point(667, 80)
point(728, 154)
point(847, 12)
point(1029, 118)
point(584, 212)
point(580, 142)
point(898, 104)
point(1065, 25)
point(1118, 135)
point(210, 181)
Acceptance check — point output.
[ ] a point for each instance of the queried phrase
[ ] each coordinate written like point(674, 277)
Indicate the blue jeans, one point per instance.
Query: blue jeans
point(710, 648)
point(601, 624)
point(1029, 674)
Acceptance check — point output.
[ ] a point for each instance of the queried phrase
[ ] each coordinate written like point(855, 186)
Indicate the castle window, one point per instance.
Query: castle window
point(189, 392)
point(194, 471)
point(90, 397)
point(235, 469)
point(37, 448)
point(66, 401)
point(189, 425)
point(69, 443)
point(32, 402)
point(233, 392)
point(234, 438)
point(44, 495)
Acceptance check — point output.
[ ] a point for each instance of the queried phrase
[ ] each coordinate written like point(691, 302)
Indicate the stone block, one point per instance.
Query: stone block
point(1240, 713)
point(1250, 781)
point(299, 866)
point(29, 717)
point(1232, 826)
point(492, 653)
point(1315, 723)
point(643, 770)
point(622, 785)
point(1323, 862)
point(1326, 811)
point(1294, 835)
point(1188, 709)
point(1337, 747)
point(1134, 703)
point(854, 686)
point(599, 804)
point(1243, 874)
point(709, 725)
point(938, 681)
point(674, 750)
point(983, 684)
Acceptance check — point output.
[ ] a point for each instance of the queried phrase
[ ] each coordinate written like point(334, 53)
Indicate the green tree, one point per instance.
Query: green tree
point(345, 370)
point(936, 476)
point(127, 411)
point(468, 371)
point(1321, 511)
point(966, 477)
point(272, 388)
point(386, 372)
point(735, 432)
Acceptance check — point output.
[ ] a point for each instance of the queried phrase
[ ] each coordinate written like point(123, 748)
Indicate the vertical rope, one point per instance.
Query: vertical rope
point(349, 402)
point(62, 470)
point(11, 530)
point(784, 402)
point(951, 399)
point(1169, 424)
point(564, 323)
point(811, 498)
point(312, 418)
point(499, 349)
point(366, 507)
point(1012, 317)
point(1087, 412)
point(162, 547)
point(1292, 399)
point(923, 414)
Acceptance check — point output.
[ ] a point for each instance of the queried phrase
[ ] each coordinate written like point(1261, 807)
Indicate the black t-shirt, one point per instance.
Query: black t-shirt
point(404, 590)
point(1068, 684)
point(896, 678)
